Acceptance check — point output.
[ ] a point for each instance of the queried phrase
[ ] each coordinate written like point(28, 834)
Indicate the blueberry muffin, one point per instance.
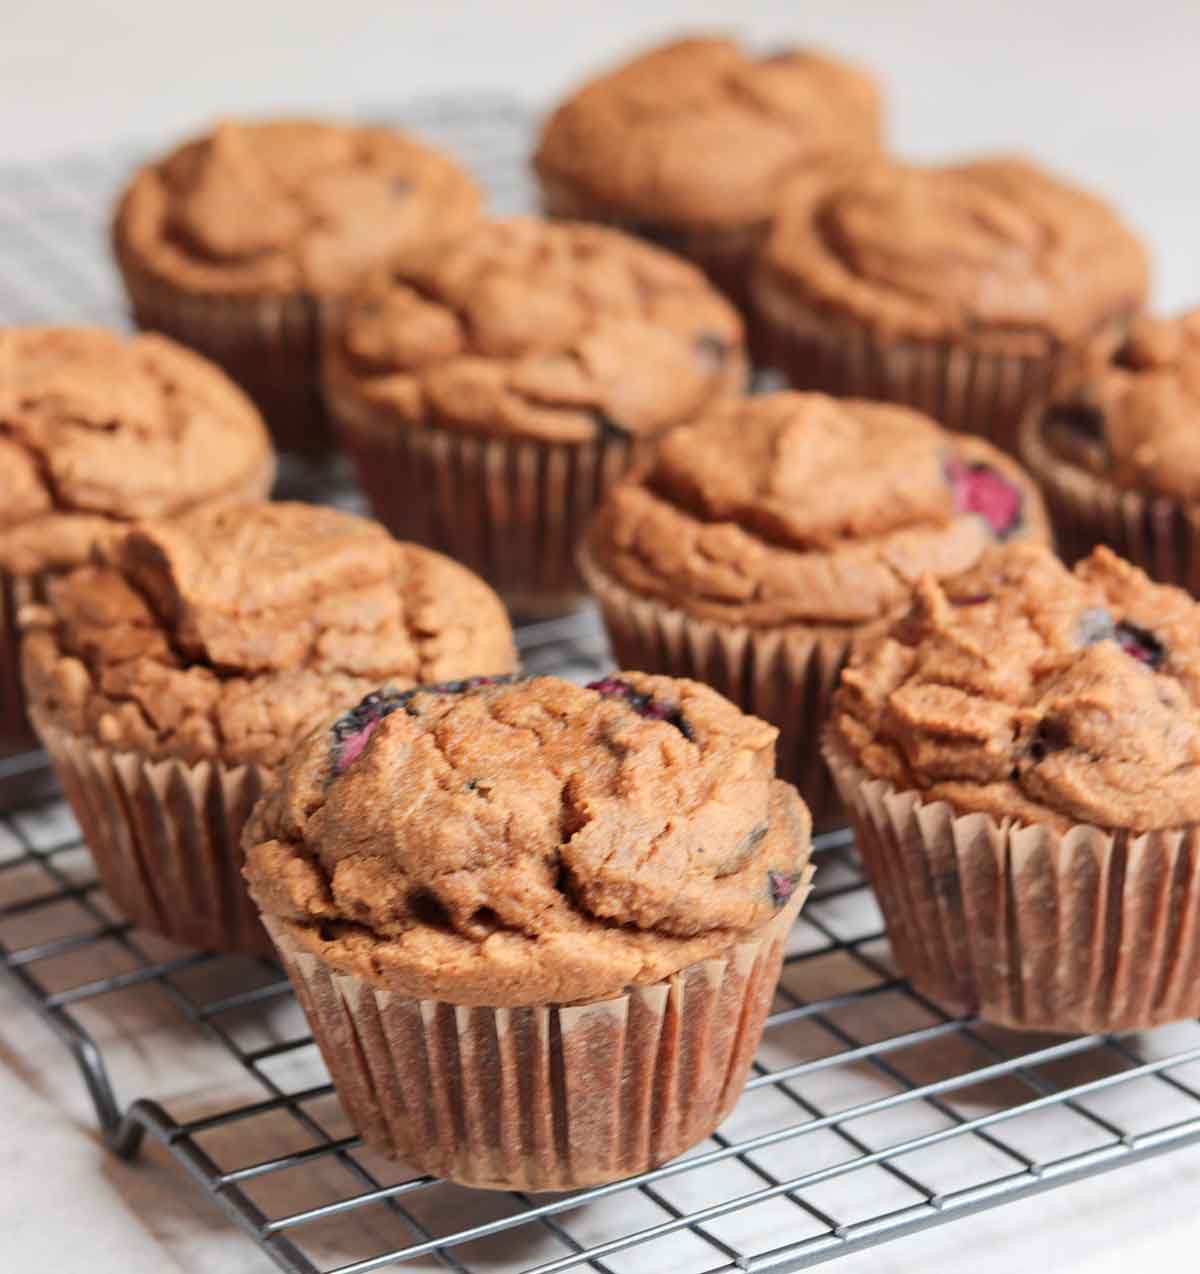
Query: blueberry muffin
point(755, 546)
point(170, 682)
point(96, 430)
point(961, 291)
point(240, 242)
point(490, 399)
point(1117, 450)
point(535, 926)
point(1021, 756)
point(690, 143)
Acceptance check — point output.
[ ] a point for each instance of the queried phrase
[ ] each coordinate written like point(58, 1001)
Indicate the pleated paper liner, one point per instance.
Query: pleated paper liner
point(166, 839)
point(725, 253)
point(1159, 534)
point(548, 1097)
point(16, 733)
point(511, 509)
point(270, 345)
point(968, 391)
point(784, 675)
point(1083, 931)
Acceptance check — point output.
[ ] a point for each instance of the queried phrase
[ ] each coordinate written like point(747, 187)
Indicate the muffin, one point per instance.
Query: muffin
point(690, 143)
point(535, 926)
point(488, 400)
point(170, 682)
point(754, 547)
point(239, 243)
point(1117, 450)
point(97, 429)
point(961, 291)
point(1020, 755)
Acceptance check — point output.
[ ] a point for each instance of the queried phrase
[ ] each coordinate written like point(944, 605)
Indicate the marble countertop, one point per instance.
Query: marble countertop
point(1104, 91)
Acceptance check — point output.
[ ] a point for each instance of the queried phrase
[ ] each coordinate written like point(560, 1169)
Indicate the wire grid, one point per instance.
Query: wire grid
point(870, 1113)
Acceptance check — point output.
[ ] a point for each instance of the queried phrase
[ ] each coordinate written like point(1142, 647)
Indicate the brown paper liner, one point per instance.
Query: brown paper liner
point(1154, 532)
point(784, 675)
point(1080, 931)
point(166, 838)
point(511, 509)
point(725, 253)
point(549, 1097)
point(16, 732)
point(968, 391)
point(270, 345)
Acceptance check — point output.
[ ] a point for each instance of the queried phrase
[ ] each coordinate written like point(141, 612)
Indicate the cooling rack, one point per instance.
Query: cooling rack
point(870, 1113)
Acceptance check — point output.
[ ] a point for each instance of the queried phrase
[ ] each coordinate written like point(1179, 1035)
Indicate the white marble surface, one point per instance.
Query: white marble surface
point(1105, 90)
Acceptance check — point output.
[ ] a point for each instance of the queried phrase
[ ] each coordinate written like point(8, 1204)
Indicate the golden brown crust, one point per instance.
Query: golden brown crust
point(994, 253)
point(1130, 412)
point(698, 131)
point(287, 206)
point(1028, 691)
point(550, 330)
point(799, 508)
point(529, 841)
point(227, 634)
point(97, 429)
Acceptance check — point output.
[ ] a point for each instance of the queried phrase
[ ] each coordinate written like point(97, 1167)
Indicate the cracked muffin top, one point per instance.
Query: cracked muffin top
point(553, 330)
point(97, 429)
point(800, 508)
point(699, 131)
point(291, 206)
point(995, 253)
point(524, 841)
point(1131, 413)
point(227, 634)
point(1029, 691)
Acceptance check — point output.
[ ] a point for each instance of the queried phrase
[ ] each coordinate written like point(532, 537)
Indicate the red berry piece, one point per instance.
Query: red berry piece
point(982, 490)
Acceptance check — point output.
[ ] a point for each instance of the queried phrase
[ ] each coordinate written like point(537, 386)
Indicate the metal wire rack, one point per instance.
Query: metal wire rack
point(870, 1113)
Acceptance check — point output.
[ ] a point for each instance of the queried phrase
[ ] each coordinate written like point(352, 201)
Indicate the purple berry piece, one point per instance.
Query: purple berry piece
point(1141, 644)
point(982, 490)
point(1096, 624)
point(352, 730)
point(643, 704)
point(780, 886)
point(971, 599)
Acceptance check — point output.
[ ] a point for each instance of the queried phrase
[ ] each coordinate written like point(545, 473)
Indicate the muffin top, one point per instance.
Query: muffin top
point(97, 429)
point(291, 206)
point(800, 508)
point(994, 253)
point(514, 841)
point(699, 131)
point(1132, 413)
point(229, 633)
point(551, 330)
point(1028, 691)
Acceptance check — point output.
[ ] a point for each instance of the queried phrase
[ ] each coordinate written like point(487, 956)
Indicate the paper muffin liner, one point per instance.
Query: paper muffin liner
point(548, 1097)
point(166, 838)
point(963, 389)
point(1159, 534)
point(784, 675)
point(1079, 931)
point(270, 345)
point(16, 732)
point(511, 509)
